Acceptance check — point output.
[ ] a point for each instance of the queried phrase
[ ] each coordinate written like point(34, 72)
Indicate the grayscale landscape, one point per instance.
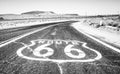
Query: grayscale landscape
point(59, 37)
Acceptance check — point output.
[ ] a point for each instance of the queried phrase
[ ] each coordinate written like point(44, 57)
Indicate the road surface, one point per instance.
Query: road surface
point(55, 48)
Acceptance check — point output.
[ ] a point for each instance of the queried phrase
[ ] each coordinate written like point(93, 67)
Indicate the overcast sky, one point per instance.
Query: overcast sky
point(82, 7)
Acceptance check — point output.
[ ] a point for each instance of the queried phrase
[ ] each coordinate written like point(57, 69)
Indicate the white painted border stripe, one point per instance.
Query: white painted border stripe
point(105, 44)
point(21, 36)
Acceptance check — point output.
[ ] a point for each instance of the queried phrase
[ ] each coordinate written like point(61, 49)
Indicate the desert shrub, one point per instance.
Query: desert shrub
point(103, 24)
point(110, 24)
point(119, 27)
point(1, 18)
point(119, 17)
point(115, 25)
point(91, 24)
point(97, 25)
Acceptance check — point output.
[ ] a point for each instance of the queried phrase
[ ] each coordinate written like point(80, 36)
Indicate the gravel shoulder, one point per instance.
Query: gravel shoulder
point(101, 33)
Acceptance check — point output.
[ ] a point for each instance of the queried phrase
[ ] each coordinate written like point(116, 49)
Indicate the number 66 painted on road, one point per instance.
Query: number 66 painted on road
point(50, 51)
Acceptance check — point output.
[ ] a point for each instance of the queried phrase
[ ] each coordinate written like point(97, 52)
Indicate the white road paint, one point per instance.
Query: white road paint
point(60, 68)
point(49, 52)
point(56, 41)
point(53, 33)
point(21, 36)
point(103, 43)
point(69, 48)
point(99, 56)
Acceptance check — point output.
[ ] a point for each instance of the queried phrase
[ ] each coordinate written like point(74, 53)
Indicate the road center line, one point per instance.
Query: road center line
point(21, 36)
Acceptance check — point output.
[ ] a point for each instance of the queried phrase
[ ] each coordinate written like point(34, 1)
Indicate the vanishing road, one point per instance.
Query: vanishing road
point(55, 48)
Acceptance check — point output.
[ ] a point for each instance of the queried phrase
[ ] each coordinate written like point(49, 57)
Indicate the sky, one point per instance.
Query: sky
point(81, 7)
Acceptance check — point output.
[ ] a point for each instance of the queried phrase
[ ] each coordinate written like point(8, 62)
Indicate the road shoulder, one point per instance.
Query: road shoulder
point(103, 35)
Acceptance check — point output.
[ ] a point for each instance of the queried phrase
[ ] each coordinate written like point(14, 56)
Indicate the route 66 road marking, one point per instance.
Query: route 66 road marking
point(50, 51)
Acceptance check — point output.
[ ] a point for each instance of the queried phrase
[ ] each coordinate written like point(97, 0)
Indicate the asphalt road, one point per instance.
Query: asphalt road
point(55, 48)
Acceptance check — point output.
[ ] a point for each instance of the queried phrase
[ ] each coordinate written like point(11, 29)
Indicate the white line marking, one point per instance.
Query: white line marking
point(60, 68)
point(69, 48)
point(21, 36)
point(105, 44)
point(53, 33)
point(49, 50)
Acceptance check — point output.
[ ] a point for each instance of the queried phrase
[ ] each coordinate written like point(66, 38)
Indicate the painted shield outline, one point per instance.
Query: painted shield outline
point(84, 44)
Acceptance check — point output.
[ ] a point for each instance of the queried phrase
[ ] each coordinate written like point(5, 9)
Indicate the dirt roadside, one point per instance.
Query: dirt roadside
point(103, 34)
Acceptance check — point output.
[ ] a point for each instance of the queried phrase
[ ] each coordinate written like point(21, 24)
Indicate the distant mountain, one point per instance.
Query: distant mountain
point(72, 14)
point(8, 14)
point(38, 12)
